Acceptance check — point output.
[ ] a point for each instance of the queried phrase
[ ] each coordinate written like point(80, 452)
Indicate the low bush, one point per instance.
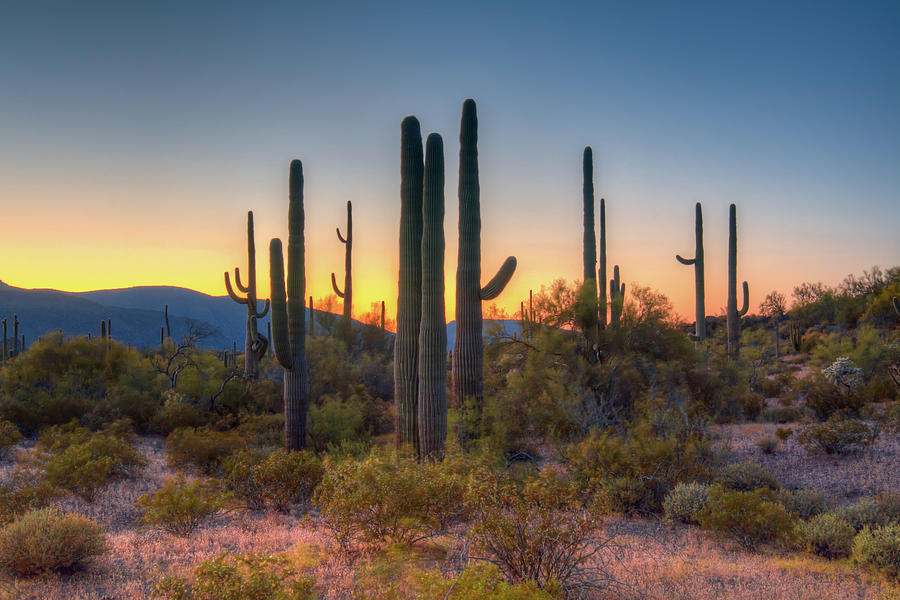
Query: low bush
point(177, 412)
point(239, 577)
point(873, 511)
point(280, 479)
point(880, 548)
point(24, 491)
point(826, 399)
point(684, 501)
point(837, 435)
point(9, 436)
point(179, 507)
point(783, 433)
point(782, 414)
point(746, 476)
point(804, 504)
point(827, 535)
point(749, 518)
point(203, 448)
point(768, 444)
point(46, 540)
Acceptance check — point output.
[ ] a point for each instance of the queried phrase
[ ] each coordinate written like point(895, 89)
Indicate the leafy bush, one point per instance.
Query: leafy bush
point(880, 548)
point(177, 412)
point(749, 518)
point(825, 399)
point(873, 512)
point(827, 535)
point(837, 435)
point(484, 582)
point(9, 436)
point(539, 531)
point(203, 448)
point(24, 491)
point(280, 479)
point(180, 507)
point(46, 540)
point(239, 577)
point(746, 476)
point(804, 504)
point(684, 501)
point(334, 421)
point(768, 444)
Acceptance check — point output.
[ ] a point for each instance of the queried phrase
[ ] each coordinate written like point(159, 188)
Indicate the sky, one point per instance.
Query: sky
point(135, 136)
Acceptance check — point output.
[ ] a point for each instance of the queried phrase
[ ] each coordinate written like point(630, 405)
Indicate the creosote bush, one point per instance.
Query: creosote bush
point(880, 548)
point(873, 511)
point(804, 504)
point(46, 540)
point(279, 480)
point(9, 436)
point(685, 501)
point(746, 476)
point(827, 535)
point(749, 518)
point(837, 435)
point(239, 577)
point(179, 507)
point(768, 444)
point(203, 448)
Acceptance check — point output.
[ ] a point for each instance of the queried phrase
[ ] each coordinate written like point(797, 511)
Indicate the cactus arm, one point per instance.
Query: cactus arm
point(685, 261)
point(231, 293)
point(496, 285)
point(746, 304)
point(334, 285)
point(280, 339)
point(237, 281)
point(262, 313)
point(340, 237)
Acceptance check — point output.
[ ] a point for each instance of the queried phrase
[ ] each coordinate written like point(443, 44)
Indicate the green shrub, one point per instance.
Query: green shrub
point(782, 414)
point(879, 548)
point(746, 476)
point(22, 492)
point(783, 433)
point(46, 540)
point(768, 444)
point(485, 582)
point(827, 535)
point(804, 504)
point(203, 448)
point(9, 436)
point(872, 512)
point(177, 412)
point(749, 518)
point(684, 501)
point(239, 577)
point(825, 399)
point(837, 435)
point(180, 507)
point(335, 420)
point(280, 479)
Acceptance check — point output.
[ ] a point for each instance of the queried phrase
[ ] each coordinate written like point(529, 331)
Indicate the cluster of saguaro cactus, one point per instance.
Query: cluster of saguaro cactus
point(255, 344)
point(697, 261)
point(347, 293)
point(288, 314)
point(732, 313)
point(589, 304)
point(616, 298)
point(468, 347)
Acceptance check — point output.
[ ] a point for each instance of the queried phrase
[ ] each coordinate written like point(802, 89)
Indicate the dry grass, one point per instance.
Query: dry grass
point(652, 560)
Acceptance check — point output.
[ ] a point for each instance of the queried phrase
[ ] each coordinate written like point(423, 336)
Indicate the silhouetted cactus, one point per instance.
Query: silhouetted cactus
point(102, 331)
point(288, 314)
point(589, 305)
point(432, 397)
point(700, 289)
point(347, 294)
point(312, 320)
point(382, 316)
point(796, 336)
point(166, 316)
point(254, 344)
point(5, 343)
point(601, 273)
point(409, 296)
point(732, 314)
point(468, 348)
point(15, 335)
point(616, 298)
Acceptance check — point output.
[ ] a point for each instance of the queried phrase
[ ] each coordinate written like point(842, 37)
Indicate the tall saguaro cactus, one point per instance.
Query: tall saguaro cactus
point(5, 343)
point(347, 294)
point(289, 315)
point(732, 314)
point(254, 343)
point(601, 275)
point(15, 335)
point(432, 396)
point(700, 289)
point(409, 293)
point(589, 287)
point(616, 298)
point(468, 348)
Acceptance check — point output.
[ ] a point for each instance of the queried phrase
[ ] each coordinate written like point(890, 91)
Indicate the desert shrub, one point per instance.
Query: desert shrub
point(782, 414)
point(749, 518)
point(179, 507)
point(826, 399)
point(335, 421)
point(872, 511)
point(9, 436)
point(783, 433)
point(204, 448)
point(46, 540)
point(538, 531)
point(827, 535)
point(684, 501)
point(280, 479)
point(837, 435)
point(880, 548)
point(768, 444)
point(239, 577)
point(746, 476)
point(483, 581)
point(390, 498)
point(22, 492)
point(176, 412)
point(263, 430)
point(804, 504)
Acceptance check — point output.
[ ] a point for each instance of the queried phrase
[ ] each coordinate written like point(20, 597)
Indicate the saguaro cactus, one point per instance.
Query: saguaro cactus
point(5, 343)
point(796, 336)
point(588, 299)
point(166, 316)
point(15, 335)
point(616, 298)
point(700, 289)
point(409, 293)
point(432, 396)
point(601, 273)
point(732, 314)
point(382, 316)
point(288, 315)
point(347, 294)
point(254, 344)
point(896, 302)
point(468, 348)
point(312, 319)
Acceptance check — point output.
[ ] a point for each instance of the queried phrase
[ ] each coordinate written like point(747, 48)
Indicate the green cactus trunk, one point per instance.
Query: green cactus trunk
point(616, 298)
point(589, 306)
point(732, 314)
point(700, 288)
point(409, 296)
point(468, 348)
point(432, 397)
point(289, 315)
point(347, 294)
point(601, 279)
point(254, 344)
